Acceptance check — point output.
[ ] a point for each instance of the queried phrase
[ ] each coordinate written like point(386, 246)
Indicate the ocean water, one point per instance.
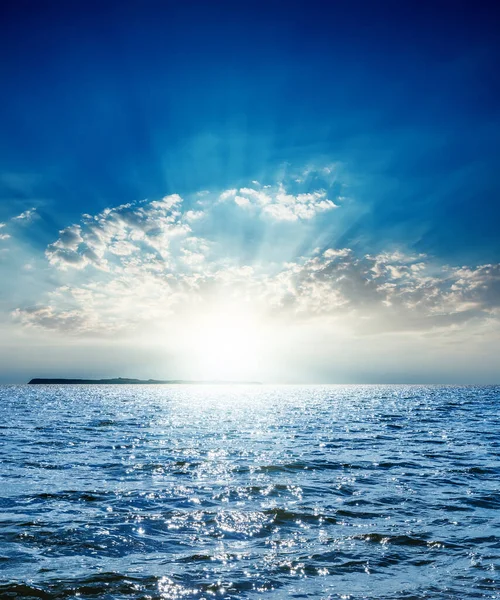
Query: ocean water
point(179, 492)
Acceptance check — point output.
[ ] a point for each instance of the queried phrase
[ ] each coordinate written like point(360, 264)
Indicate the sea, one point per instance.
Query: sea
point(218, 492)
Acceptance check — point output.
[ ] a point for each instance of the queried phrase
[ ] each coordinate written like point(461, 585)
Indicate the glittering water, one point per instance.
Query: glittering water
point(252, 492)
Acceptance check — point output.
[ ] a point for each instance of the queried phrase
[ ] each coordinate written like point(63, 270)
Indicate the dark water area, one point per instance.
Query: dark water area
point(170, 492)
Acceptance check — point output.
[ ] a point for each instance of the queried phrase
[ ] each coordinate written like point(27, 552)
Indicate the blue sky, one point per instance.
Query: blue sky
point(389, 111)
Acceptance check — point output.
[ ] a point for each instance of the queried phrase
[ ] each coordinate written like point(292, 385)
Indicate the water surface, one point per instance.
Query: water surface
point(166, 492)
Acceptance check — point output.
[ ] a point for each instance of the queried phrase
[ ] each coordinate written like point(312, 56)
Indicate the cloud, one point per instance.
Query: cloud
point(193, 215)
point(279, 205)
point(22, 218)
point(27, 215)
point(50, 318)
point(3, 236)
point(139, 264)
point(388, 292)
point(119, 232)
point(228, 194)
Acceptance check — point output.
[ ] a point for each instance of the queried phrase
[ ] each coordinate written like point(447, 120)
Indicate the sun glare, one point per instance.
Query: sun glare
point(226, 343)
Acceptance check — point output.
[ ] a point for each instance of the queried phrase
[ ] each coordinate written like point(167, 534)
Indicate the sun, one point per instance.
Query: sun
point(225, 342)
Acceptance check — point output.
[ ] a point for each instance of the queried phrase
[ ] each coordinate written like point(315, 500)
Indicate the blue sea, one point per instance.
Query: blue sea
point(204, 492)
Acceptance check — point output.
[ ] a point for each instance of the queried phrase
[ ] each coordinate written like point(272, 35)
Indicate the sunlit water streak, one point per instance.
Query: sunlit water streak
point(200, 492)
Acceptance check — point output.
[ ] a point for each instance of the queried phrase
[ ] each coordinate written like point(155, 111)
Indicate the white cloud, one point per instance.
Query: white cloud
point(119, 232)
point(258, 196)
point(389, 291)
point(370, 293)
point(27, 215)
point(138, 263)
point(227, 194)
point(3, 236)
point(47, 317)
point(70, 238)
point(279, 205)
point(193, 215)
point(241, 201)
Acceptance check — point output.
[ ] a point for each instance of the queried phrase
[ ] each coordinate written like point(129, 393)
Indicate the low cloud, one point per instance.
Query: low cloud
point(388, 292)
point(139, 264)
point(50, 318)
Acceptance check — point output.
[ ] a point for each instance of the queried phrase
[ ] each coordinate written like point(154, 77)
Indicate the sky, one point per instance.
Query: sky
point(283, 192)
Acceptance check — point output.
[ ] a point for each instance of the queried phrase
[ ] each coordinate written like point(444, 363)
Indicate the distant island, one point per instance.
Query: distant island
point(125, 381)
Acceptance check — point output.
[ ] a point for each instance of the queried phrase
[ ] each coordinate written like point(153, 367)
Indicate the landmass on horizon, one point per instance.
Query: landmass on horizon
point(124, 380)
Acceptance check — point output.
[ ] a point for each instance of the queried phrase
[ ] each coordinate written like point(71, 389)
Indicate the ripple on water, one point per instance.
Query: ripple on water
point(201, 492)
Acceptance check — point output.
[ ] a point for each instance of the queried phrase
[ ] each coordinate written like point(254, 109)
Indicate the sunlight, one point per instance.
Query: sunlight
point(226, 343)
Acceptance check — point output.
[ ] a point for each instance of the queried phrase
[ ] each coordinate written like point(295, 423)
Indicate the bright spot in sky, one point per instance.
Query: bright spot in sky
point(226, 343)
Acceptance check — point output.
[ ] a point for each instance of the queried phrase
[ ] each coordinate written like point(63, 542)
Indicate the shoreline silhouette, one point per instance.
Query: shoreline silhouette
point(129, 381)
